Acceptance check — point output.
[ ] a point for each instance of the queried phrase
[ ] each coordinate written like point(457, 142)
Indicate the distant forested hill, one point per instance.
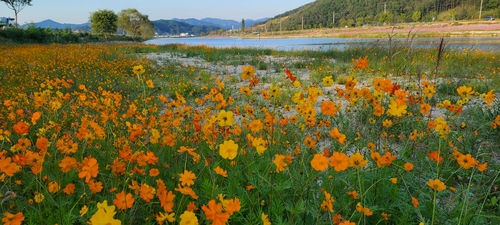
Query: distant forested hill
point(172, 27)
point(320, 13)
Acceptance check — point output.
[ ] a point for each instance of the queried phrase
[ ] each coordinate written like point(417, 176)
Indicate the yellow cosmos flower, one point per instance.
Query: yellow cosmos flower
point(225, 118)
point(275, 91)
point(396, 110)
point(84, 210)
point(39, 197)
point(104, 215)
point(465, 92)
point(138, 70)
point(265, 219)
point(260, 145)
point(436, 184)
point(248, 72)
point(328, 81)
point(357, 161)
point(228, 150)
point(150, 84)
point(188, 218)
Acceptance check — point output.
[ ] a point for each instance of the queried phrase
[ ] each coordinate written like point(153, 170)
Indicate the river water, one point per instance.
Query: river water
point(290, 44)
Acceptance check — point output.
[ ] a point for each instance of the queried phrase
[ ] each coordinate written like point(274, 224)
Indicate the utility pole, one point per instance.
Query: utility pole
point(280, 25)
point(334, 18)
point(480, 9)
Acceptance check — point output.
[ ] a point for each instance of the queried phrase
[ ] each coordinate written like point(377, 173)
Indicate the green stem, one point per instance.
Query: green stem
point(433, 206)
point(466, 205)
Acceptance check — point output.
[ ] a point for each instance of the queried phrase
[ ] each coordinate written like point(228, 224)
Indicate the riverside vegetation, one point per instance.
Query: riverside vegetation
point(101, 134)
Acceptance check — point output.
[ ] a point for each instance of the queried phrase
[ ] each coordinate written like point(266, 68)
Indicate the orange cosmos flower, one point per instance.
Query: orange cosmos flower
point(289, 75)
point(13, 219)
point(95, 187)
point(339, 161)
point(123, 200)
point(232, 205)
point(21, 128)
point(387, 123)
point(7, 167)
point(89, 170)
point(340, 137)
point(214, 213)
point(220, 171)
point(54, 187)
point(353, 194)
point(436, 184)
point(414, 201)
point(42, 143)
point(310, 142)
point(146, 192)
point(466, 161)
point(186, 191)
point(328, 108)
point(425, 109)
point(166, 197)
point(69, 189)
point(482, 167)
point(435, 156)
point(253, 82)
point(408, 166)
point(327, 204)
point(319, 162)
point(67, 164)
point(361, 63)
point(187, 178)
point(191, 207)
point(279, 162)
point(347, 222)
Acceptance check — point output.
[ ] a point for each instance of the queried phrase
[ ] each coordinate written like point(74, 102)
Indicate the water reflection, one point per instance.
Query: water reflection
point(288, 44)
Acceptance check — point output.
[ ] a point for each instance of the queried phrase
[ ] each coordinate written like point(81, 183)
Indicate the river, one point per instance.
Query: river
point(290, 44)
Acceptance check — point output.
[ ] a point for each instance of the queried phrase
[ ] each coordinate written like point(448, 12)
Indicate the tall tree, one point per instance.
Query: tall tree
point(103, 22)
point(17, 6)
point(242, 25)
point(135, 23)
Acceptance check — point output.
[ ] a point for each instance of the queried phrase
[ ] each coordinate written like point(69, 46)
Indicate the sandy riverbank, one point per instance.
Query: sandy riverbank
point(457, 29)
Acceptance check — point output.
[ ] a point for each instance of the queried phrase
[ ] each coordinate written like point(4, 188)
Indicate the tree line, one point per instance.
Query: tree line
point(330, 13)
point(130, 21)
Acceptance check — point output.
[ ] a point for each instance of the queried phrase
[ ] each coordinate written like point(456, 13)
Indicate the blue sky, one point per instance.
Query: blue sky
point(78, 11)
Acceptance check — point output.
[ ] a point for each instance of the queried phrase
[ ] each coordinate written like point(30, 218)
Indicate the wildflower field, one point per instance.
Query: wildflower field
point(116, 134)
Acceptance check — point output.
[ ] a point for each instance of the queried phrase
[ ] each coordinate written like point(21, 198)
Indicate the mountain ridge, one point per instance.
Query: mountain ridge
point(177, 26)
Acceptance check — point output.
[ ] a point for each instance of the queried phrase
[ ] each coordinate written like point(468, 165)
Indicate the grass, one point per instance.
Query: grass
point(99, 132)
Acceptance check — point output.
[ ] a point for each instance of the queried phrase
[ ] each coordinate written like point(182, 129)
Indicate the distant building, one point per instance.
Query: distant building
point(6, 22)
